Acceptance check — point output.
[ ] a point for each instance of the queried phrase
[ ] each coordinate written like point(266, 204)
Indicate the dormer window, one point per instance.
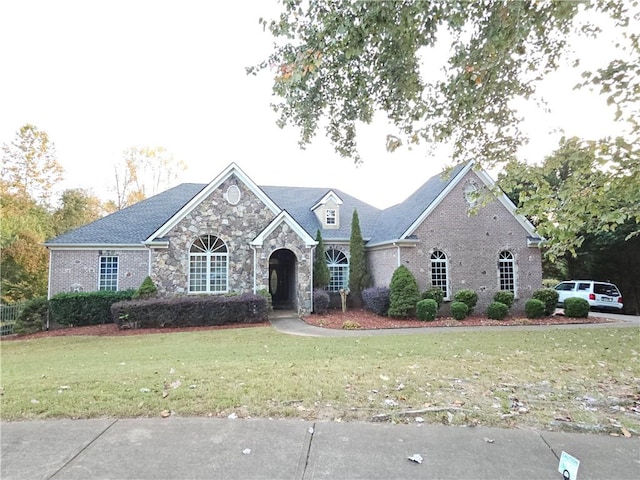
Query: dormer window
point(330, 216)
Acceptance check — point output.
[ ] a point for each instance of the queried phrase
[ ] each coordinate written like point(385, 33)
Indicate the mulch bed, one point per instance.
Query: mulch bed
point(366, 320)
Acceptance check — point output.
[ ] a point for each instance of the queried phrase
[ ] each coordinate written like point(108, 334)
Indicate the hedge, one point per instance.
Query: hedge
point(576, 307)
point(376, 300)
point(426, 309)
point(191, 311)
point(85, 308)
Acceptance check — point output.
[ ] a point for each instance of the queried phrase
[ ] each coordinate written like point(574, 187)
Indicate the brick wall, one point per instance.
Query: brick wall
point(472, 243)
point(73, 270)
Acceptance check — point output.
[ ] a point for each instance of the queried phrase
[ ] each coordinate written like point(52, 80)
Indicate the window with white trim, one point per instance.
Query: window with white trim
point(440, 272)
point(338, 270)
point(108, 274)
point(506, 271)
point(208, 265)
point(330, 216)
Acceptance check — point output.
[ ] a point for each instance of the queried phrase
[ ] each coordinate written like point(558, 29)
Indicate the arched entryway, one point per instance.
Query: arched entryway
point(282, 279)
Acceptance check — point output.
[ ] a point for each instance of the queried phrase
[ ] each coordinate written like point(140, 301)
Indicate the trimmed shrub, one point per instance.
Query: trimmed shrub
point(426, 309)
point(403, 293)
point(376, 300)
point(459, 310)
point(85, 308)
point(263, 292)
point(147, 289)
point(550, 298)
point(576, 307)
point(33, 316)
point(497, 310)
point(434, 293)
point(468, 297)
point(534, 308)
point(320, 301)
point(504, 296)
point(191, 311)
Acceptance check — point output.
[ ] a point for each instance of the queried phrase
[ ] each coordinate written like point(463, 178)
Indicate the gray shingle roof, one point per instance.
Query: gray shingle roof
point(133, 225)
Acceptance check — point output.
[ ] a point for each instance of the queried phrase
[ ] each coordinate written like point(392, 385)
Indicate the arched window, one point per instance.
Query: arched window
point(506, 271)
point(208, 265)
point(440, 272)
point(338, 270)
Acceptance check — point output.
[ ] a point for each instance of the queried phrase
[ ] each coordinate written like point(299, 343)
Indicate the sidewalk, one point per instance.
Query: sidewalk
point(181, 448)
point(288, 322)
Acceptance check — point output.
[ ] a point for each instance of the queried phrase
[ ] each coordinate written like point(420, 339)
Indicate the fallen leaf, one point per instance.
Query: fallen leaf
point(165, 413)
point(176, 383)
point(416, 457)
point(246, 451)
point(165, 394)
point(625, 432)
point(488, 440)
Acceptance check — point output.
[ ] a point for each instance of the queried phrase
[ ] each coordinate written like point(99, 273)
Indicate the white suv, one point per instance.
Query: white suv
point(600, 295)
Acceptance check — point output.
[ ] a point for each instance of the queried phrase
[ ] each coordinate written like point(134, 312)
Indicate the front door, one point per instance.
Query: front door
point(282, 279)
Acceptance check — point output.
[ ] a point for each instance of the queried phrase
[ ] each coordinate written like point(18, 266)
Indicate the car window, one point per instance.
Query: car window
point(606, 289)
point(565, 286)
point(584, 286)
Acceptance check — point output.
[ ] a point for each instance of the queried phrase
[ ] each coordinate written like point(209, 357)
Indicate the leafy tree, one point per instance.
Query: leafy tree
point(30, 168)
point(358, 274)
point(321, 274)
point(143, 172)
point(78, 207)
point(340, 61)
point(576, 191)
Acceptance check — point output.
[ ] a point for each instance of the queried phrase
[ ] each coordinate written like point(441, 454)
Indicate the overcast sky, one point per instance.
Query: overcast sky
point(102, 76)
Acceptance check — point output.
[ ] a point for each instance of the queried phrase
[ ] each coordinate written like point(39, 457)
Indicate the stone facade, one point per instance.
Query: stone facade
point(78, 270)
point(472, 243)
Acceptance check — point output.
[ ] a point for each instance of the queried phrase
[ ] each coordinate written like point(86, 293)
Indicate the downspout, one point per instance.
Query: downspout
point(312, 260)
point(398, 254)
point(49, 285)
point(255, 263)
point(149, 262)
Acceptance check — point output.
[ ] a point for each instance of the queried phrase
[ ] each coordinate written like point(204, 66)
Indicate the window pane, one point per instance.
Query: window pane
point(507, 272)
point(108, 276)
point(208, 265)
point(439, 273)
point(338, 270)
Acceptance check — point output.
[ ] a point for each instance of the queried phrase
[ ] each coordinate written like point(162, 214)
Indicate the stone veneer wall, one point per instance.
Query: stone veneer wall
point(79, 269)
point(285, 237)
point(236, 225)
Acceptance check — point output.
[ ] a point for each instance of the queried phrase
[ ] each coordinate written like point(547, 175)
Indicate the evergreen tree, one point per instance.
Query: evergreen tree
point(403, 293)
point(358, 275)
point(321, 274)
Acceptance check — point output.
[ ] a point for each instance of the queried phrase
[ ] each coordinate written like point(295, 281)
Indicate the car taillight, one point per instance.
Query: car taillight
point(619, 299)
point(592, 296)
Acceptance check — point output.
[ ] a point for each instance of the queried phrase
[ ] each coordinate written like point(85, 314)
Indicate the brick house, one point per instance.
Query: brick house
point(232, 235)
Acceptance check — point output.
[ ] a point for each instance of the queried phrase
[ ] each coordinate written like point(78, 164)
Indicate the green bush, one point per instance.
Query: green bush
point(426, 309)
point(459, 310)
point(576, 307)
point(534, 308)
point(550, 298)
point(263, 292)
point(550, 282)
point(403, 293)
point(497, 311)
point(468, 297)
point(190, 311)
point(33, 316)
point(504, 296)
point(147, 289)
point(85, 308)
point(434, 293)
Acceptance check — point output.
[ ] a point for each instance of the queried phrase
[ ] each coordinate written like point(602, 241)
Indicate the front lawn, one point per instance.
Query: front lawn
point(531, 378)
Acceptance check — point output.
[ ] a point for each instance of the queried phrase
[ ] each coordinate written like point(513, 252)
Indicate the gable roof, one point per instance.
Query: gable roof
point(152, 218)
point(284, 217)
point(131, 225)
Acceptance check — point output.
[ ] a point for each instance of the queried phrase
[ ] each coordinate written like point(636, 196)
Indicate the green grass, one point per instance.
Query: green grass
point(588, 375)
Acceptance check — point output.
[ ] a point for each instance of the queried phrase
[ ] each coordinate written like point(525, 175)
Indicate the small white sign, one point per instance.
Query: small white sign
point(568, 466)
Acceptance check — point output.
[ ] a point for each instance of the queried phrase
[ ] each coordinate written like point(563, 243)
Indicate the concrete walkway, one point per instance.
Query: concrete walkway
point(288, 322)
point(207, 448)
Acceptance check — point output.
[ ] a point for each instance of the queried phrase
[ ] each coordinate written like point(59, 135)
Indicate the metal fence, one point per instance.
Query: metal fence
point(8, 316)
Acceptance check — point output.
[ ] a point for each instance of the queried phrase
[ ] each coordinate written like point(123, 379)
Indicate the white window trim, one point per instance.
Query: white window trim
point(207, 256)
point(346, 266)
point(514, 271)
point(117, 273)
point(331, 213)
point(447, 296)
